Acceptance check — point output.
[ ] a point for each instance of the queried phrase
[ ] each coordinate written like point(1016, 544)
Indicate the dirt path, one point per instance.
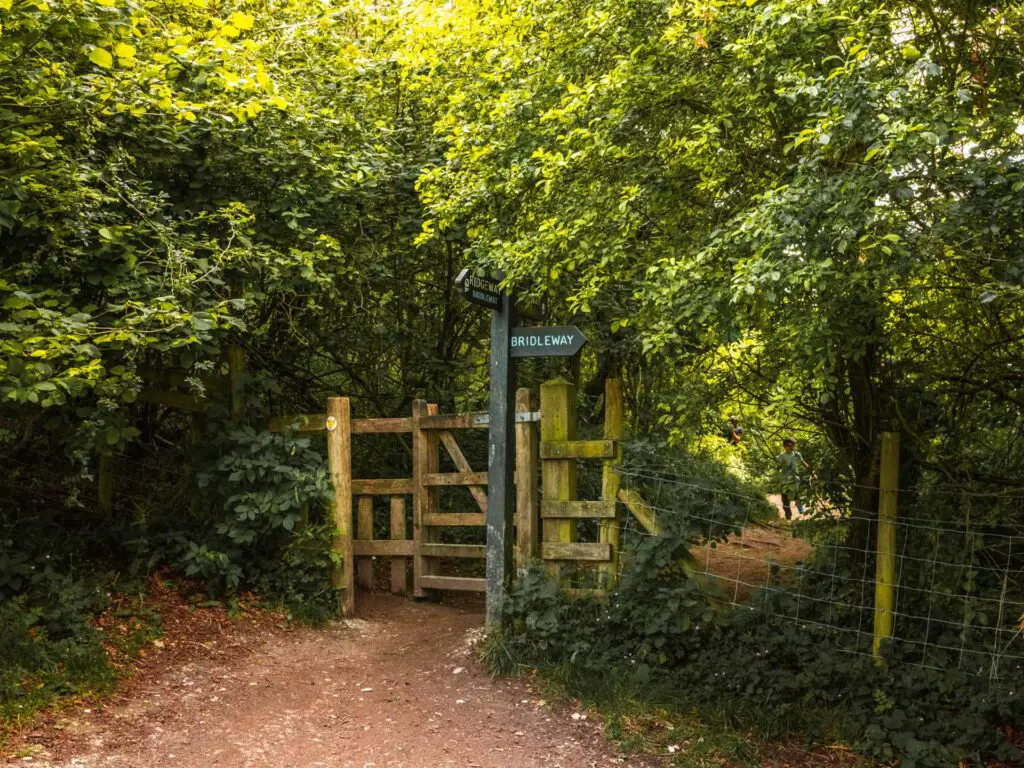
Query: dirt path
point(397, 687)
point(743, 564)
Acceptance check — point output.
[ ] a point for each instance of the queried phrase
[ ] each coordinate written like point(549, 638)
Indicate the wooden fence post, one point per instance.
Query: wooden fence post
point(527, 510)
point(364, 568)
point(398, 564)
point(558, 476)
point(885, 563)
point(105, 485)
point(339, 464)
point(197, 428)
point(610, 479)
point(431, 494)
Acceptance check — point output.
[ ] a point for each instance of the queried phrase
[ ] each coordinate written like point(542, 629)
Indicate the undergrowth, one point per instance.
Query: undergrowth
point(752, 672)
point(638, 726)
point(664, 639)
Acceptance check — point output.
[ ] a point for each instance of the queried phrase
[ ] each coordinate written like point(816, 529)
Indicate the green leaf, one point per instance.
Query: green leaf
point(101, 58)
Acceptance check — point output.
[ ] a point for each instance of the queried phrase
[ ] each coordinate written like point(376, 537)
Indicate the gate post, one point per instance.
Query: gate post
point(339, 464)
point(558, 476)
point(426, 459)
point(419, 469)
point(527, 509)
point(610, 479)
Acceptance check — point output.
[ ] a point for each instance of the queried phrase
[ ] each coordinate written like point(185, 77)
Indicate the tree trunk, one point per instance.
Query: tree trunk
point(864, 447)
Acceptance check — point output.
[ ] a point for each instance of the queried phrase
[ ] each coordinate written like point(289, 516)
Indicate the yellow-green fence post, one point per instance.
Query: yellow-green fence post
point(885, 563)
point(558, 476)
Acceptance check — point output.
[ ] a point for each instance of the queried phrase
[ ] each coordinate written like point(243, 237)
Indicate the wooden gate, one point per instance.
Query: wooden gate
point(433, 431)
point(356, 545)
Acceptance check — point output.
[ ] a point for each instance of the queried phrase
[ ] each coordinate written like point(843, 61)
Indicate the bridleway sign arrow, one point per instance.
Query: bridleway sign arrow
point(556, 341)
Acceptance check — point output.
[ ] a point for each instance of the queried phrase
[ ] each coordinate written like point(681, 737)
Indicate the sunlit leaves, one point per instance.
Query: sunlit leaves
point(101, 57)
point(777, 169)
point(241, 20)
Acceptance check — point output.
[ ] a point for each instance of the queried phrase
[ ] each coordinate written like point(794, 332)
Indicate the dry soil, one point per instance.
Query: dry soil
point(397, 687)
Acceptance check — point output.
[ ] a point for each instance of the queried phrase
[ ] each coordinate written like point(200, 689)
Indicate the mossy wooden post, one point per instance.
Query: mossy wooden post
point(197, 428)
point(339, 464)
point(398, 564)
point(558, 476)
point(885, 563)
point(527, 509)
point(364, 568)
point(236, 380)
point(610, 479)
point(105, 486)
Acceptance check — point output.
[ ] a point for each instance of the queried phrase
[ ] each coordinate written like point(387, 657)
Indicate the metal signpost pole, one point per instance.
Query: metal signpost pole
point(500, 459)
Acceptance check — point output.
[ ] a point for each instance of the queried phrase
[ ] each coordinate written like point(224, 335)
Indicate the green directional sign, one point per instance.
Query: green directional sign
point(556, 341)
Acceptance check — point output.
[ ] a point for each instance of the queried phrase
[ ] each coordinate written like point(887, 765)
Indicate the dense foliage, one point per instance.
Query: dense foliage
point(757, 669)
point(783, 666)
point(179, 182)
point(786, 197)
point(805, 212)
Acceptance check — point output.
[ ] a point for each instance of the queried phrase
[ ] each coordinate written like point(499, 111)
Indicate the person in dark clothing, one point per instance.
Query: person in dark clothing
point(734, 432)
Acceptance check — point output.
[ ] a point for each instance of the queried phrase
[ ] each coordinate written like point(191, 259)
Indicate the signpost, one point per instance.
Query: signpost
point(558, 341)
point(507, 344)
point(500, 461)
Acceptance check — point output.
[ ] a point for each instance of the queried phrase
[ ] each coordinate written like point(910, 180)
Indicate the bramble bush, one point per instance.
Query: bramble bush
point(261, 521)
point(48, 645)
point(755, 670)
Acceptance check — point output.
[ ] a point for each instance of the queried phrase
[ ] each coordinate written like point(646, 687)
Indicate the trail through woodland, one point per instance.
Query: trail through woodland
point(399, 686)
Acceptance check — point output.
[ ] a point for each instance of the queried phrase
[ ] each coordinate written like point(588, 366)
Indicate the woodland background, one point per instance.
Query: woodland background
point(804, 212)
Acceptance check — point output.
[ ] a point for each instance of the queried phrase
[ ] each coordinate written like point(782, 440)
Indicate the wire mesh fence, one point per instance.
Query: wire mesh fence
point(959, 576)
